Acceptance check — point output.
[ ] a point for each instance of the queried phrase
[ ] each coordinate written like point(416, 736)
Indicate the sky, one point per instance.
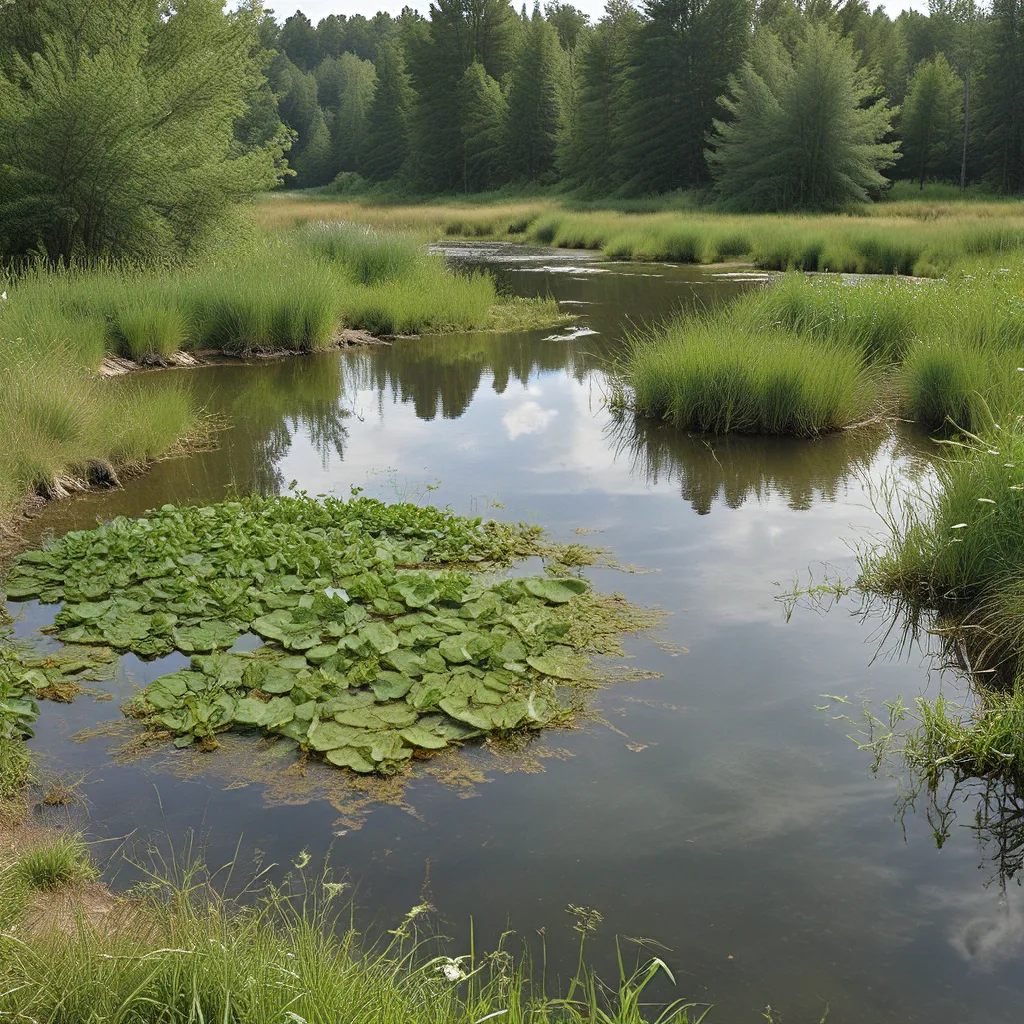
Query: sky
point(317, 9)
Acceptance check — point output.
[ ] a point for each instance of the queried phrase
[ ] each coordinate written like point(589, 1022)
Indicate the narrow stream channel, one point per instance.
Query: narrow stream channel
point(712, 808)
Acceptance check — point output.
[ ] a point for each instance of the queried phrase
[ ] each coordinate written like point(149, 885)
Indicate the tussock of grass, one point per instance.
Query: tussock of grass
point(63, 861)
point(58, 419)
point(368, 256)
point(17, 771)
point(963, 541)
point(715, 379)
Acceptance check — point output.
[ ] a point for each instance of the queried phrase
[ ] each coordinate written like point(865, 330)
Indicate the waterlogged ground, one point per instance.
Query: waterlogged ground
point(713, 808)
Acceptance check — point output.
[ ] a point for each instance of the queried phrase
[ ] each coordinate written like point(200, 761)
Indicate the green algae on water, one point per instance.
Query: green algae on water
point(388, 631)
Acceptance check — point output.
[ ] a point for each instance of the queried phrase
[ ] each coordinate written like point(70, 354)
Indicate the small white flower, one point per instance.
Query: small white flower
point(3, 296)
point(451, 972)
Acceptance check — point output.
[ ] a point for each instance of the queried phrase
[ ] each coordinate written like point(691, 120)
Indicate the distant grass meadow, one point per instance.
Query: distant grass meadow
point(912, 236)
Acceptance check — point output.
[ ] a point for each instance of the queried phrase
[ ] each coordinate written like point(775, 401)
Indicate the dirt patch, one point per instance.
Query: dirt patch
point(118, 366)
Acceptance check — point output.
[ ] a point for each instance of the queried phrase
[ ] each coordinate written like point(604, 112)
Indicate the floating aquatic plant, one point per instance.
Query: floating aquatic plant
point(388, 632)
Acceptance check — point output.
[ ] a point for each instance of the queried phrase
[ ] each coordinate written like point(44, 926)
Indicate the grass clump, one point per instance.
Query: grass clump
point(962, 540)
point(368, 256)
point(717, 379)
point(64, 861)
point(59, 420)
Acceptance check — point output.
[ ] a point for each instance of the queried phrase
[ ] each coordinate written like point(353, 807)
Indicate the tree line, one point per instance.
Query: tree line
point(134, 127)
point(776, 104)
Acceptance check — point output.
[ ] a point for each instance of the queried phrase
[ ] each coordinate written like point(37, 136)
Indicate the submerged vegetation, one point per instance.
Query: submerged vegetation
point(386, 633)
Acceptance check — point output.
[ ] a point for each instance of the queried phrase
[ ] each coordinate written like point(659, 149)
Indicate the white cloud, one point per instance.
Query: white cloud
point(527, 417)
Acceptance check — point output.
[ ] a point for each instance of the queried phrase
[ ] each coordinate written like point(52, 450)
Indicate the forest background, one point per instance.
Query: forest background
point(479, 96)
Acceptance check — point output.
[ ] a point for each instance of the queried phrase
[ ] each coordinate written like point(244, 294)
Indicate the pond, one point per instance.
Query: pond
point(708, 803)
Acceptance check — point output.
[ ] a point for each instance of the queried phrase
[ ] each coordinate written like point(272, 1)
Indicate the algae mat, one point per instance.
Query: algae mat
point(388, 630)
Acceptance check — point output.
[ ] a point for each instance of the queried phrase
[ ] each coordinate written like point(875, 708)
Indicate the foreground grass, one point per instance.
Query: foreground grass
point(180, 951)
point(908, 237)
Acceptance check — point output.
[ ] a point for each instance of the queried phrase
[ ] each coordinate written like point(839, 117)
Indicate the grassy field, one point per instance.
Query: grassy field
point(292, 293)
point(920, 236)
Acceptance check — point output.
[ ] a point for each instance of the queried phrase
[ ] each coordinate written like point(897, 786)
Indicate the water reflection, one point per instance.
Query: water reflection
point(733, 470)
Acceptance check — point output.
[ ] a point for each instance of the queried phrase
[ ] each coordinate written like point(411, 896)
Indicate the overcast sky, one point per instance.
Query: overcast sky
point(317, 9)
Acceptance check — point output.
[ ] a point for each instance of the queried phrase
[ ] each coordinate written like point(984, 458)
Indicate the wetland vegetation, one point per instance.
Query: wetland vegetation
point(380, 645)
point(138, 141)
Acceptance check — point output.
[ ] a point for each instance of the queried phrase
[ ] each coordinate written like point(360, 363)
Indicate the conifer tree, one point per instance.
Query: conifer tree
point(387, 121)
point(314, 164)
point(587, 156)
point(533, 110)
point(356, 85)
point(932, 121)
point(298, 40)
point(804, 132)
point(460, 32)
point(483, 124)
point(682, 58)
point(1000, 119)
point(117, 126)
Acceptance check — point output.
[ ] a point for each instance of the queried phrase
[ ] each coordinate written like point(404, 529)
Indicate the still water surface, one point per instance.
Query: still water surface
point(713, 809)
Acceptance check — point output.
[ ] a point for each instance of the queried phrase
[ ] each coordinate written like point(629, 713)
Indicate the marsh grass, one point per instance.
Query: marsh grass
point(17, 770)
point(368, 256)
point(958, 545)
point(63, 861)
point(711, 378)
point(59, 419)
point(184, 951)
point(291, 294)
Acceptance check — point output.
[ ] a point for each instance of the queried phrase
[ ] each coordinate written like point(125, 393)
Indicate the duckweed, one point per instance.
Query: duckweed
point(387, 631)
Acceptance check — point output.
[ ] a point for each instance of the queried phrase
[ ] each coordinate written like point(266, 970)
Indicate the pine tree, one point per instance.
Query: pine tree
point(568, 21)
point(387, 121)
point(533, 110)
point(314, 164)
point(681, 61)
point(1001, 98)
point(804, 132)
point(298, 106)
point(298, 40)
point(483, 124)
point(587, 156)
point(932, 121)
point(353, 84)
point(460, 32)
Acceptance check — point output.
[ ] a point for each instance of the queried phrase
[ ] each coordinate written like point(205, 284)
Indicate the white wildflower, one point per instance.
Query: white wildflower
point(451, 971)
